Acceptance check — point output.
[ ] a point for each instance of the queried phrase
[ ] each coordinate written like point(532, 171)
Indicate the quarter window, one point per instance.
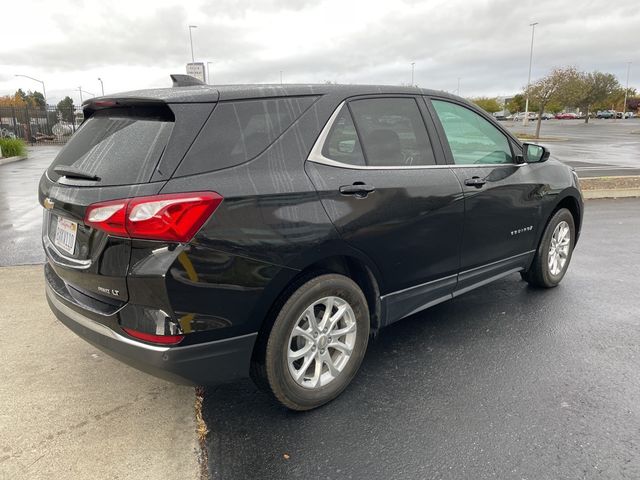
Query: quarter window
point(472, 139)
point(392, 132)
point(342, 144)
point(239, 131)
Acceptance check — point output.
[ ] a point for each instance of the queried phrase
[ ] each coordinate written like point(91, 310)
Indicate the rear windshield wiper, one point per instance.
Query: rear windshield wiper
point(73, 172)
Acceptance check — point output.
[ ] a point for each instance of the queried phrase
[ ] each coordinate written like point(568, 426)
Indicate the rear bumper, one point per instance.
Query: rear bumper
point(207, 363)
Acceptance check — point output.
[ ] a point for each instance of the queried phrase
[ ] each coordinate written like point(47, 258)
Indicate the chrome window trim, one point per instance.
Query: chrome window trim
point(316, 155)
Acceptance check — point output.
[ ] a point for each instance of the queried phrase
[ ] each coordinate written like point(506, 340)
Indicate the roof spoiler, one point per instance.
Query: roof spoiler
point(91, 106)
point(181, 80)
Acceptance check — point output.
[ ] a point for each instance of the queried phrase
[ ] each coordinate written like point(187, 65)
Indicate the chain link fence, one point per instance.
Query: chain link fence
point(40, 125)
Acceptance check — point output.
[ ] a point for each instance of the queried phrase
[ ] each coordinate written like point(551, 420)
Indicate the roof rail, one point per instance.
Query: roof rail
point(181, 80)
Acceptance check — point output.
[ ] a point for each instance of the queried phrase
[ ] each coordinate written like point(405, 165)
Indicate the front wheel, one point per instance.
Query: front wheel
point(317, 342)
point(554, 252)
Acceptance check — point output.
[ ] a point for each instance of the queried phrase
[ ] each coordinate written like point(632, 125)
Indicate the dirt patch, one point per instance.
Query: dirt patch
point(610, 183)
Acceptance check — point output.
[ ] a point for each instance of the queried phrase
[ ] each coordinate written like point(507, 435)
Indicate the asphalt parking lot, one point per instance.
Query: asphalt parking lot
point(21, 215)
point(504, 382)
point(598, 148)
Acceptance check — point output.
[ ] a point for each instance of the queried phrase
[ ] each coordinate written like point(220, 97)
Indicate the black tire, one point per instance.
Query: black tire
point(539, 274)
point(272, 371)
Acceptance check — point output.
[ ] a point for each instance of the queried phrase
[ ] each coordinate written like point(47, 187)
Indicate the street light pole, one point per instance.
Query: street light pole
point(626, 91)
point(413, 65)
point(44, 90)
point(458, 90)
point(525, 120)
point(191, 41)
point(101, 85)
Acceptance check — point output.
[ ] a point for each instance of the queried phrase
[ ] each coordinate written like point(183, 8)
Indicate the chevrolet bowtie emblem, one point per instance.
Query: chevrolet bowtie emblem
point(48, 203)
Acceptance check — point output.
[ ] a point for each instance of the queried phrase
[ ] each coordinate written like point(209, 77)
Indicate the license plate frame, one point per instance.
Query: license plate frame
point(65, 236)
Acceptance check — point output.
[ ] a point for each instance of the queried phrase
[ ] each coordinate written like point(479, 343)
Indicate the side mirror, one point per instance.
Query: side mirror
point(535, 153)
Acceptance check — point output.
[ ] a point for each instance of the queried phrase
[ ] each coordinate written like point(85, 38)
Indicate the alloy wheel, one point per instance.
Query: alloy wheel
point(559, 248)
point(321, 342)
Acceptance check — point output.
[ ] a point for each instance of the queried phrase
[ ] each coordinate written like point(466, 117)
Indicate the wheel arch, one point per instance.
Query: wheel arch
point(356, 267)
point(571, 203)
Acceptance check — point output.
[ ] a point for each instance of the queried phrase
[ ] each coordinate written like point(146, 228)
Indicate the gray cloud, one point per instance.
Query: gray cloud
point(235, 8)
point(485, 44)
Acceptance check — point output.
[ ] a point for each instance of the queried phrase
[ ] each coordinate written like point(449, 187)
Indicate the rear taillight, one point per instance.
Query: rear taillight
point(149, 337)
point(172, 217)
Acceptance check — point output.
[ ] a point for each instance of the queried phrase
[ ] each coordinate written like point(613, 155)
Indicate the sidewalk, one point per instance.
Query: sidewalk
point(71, 412)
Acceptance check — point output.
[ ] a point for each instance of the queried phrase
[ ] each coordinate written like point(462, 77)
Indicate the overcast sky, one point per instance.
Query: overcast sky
point(135, 44)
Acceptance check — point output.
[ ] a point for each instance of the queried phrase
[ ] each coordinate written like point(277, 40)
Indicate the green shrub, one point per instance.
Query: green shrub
point(12, 147)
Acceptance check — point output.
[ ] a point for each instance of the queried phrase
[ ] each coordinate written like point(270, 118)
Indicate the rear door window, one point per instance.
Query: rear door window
point(392, 132)
point(119, 146)
point(240, 130)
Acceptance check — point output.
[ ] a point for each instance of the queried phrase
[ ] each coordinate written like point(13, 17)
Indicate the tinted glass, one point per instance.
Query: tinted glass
point(342, 144)
point(472, 139)
point(239, 131)
point(392, 132)
point(119, 146)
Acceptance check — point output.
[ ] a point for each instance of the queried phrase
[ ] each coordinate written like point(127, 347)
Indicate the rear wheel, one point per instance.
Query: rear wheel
point(317, 342)
point(554, 252)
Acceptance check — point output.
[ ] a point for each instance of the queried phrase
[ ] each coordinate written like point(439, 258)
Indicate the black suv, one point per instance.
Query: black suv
point(205, 234)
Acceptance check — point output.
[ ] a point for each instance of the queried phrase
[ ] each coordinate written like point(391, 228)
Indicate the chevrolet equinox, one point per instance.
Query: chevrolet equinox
point(204, 234)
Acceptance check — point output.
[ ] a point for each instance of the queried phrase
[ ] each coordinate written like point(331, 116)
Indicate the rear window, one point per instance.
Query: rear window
point(120, 146)
point(240, 130)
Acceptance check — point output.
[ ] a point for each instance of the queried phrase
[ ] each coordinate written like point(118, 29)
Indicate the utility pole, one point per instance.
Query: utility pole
point(413, 66)
point(280, 77)
point(191, 41)
point(458, 90)
point(626, 91)
point(101, 85)
point(525, 120)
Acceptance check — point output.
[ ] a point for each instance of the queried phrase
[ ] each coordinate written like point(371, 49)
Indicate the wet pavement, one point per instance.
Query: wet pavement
point(21, 215)
point(598, 148)
point(505, 382)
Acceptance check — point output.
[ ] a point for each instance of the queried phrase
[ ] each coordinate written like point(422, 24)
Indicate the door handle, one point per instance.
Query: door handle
point(475, 182)
point(358, 189)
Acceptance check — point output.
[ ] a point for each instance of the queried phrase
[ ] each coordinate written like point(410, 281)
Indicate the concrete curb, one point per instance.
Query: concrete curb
point(623, 193)
point(4, 161)
point(610, 187)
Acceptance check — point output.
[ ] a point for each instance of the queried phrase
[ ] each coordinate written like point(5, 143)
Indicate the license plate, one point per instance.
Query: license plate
point(66, 235)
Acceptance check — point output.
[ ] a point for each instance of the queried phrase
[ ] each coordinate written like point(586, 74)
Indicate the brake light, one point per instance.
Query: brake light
point(149, 337)
point(171, 217)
